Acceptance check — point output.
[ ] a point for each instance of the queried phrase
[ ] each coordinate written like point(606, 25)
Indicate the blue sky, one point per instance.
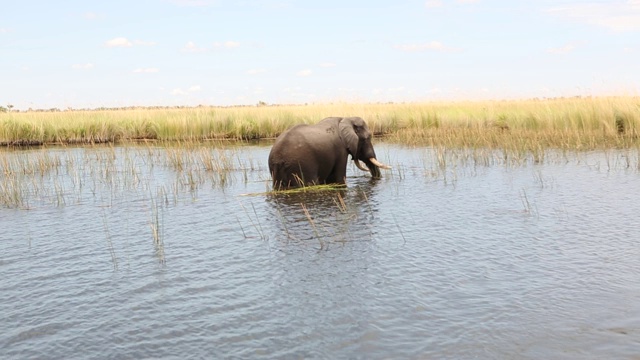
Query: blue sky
point(216, 52)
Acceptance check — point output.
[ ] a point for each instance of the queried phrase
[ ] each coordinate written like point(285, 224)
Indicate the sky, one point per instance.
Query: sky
point(89, 54)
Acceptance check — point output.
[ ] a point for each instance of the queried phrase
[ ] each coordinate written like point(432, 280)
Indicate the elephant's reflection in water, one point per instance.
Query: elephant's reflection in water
point(321, 218)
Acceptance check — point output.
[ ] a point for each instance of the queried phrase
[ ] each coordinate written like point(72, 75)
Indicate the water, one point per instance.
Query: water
point(117, 253)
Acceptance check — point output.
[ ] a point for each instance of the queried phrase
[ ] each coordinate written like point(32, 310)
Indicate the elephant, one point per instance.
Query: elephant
point(318, 154)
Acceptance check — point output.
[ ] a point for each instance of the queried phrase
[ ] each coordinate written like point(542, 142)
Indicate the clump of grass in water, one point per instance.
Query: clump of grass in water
point(12, 195)
point(302, 189)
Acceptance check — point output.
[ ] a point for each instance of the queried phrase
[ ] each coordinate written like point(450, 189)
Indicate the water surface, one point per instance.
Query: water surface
point(136, 252)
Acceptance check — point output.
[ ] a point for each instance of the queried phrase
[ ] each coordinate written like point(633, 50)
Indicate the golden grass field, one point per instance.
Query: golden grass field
point(575, 123)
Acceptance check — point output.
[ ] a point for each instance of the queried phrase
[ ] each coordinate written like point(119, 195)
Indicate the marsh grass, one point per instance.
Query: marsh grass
point(529, 208)
point(112, 252)
point(577, 123)
point(107, 174)
point(312, 223)
point(525, 126)
point(256, 224)
point(156, 225)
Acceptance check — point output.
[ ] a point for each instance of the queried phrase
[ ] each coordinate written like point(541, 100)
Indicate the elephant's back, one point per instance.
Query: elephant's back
point(285, 144)
point(305, 135)
point(290, 136)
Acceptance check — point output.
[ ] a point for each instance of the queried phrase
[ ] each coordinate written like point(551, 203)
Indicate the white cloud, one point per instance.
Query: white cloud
point(327, 65)
point(256, 71)
point(226, 44)
point(83, 66)
point(430, 46)
point(124, 42)
point(118, 42)
point(4, 30)
point(561, 50)
point(304, 73)
point(192, 47)
point(181, 92)
point(467, 1)
point(145, 70)
point(614, 15)
point(565, 49)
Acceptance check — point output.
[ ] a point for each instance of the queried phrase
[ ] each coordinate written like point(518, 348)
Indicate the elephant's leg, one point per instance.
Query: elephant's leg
point(280, 178)
point(285, 177)
point(338, 173)
point(336, 178)
point(307, 173)
point(298, 176)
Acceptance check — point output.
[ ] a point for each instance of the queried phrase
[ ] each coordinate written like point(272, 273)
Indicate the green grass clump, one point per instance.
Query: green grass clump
point(301, 190)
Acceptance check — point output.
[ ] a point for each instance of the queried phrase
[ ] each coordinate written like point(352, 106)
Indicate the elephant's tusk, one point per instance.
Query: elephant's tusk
point(377, 163)
point(359, 165)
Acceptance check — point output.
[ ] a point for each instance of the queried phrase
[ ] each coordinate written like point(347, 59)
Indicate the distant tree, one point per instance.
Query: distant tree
point(3, 109)
point(262, 103)
point(9, 106)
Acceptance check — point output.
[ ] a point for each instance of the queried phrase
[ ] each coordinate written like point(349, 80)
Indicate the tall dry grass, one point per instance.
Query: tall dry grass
point(566, 122)
point(576, 123)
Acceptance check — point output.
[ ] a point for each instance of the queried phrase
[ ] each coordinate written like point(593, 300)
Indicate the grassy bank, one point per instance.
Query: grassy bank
point(565, 123)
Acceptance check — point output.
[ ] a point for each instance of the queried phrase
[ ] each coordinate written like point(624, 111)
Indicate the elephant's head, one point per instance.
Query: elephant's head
point(357, 138)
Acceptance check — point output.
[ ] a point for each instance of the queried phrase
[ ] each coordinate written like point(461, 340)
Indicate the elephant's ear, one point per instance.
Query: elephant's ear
point(349, 136)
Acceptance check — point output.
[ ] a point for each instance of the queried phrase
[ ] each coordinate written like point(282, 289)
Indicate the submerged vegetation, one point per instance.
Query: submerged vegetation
point(568, 123)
